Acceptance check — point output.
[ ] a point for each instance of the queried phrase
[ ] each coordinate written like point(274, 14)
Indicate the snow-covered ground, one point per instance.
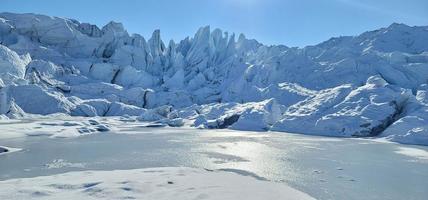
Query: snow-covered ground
point(370, 85)
point(149, 183)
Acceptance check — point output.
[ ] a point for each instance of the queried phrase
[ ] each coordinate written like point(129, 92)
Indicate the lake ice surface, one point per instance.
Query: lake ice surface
point(323, 167)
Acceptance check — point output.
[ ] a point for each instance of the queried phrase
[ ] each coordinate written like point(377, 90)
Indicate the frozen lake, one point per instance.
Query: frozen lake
point(326, 168)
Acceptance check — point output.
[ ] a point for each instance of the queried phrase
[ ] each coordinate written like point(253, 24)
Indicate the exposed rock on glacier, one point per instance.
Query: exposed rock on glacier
point(347, 86)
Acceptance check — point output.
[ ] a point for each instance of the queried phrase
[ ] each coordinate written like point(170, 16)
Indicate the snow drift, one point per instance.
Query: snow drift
point(150, 183)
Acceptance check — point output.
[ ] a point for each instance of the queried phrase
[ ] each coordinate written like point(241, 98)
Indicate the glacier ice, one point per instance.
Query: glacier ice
point(373, 84)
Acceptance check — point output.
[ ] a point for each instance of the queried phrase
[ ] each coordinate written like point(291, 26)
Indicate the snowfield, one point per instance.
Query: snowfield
point(370, 85)
point(150, 183)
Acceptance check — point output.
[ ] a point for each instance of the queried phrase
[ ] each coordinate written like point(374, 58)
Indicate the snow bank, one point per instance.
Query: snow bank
point(151, 183)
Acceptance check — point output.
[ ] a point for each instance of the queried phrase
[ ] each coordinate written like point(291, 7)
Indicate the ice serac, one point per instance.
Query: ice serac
point(8, 107)
point(372, 84)
point(12, 66)
point(34, 99)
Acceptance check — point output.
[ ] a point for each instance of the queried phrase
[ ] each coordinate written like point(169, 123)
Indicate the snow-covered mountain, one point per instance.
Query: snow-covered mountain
point(373, 84)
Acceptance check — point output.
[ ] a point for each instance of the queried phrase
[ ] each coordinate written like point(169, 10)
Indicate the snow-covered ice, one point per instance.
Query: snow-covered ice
point(57, 126)
point(323, 167)
point(150, 183)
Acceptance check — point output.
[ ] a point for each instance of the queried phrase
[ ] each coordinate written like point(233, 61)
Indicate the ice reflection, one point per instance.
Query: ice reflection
point(254, 157)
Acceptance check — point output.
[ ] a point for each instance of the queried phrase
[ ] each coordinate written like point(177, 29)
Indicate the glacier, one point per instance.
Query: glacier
point(370, 85)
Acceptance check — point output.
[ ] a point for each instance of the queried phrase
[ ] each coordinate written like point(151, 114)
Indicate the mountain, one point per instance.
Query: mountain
point(373, 84)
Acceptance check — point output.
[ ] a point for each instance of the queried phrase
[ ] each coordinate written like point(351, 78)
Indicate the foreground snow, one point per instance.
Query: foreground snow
point(373, 84)
point(152, 183)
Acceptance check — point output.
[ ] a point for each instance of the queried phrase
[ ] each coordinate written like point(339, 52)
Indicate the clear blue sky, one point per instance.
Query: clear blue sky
point(293, 23)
